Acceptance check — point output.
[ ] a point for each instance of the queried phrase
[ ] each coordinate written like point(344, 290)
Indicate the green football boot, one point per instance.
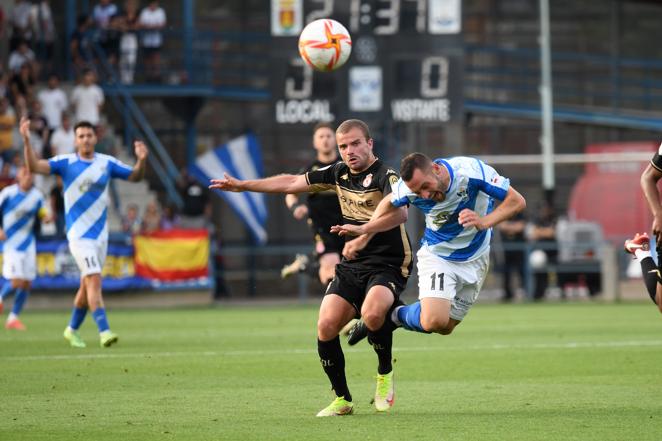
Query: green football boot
point(73, 337)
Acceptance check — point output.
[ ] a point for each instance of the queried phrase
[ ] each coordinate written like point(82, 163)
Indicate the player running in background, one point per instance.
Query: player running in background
point(457, 197)
point(86, 175)
point(375, 268)
point(21, 204)
point(639, 246)
point(321, 210)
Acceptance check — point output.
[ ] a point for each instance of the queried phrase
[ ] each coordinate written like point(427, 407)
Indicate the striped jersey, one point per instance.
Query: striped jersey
point(19, 211)
point(473, 185)
point(86, 192)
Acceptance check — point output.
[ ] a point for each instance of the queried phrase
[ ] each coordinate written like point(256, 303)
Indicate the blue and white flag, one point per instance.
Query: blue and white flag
point(240, 157)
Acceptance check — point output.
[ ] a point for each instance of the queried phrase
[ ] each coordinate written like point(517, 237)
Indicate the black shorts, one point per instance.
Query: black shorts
point(326, 242)
point(353, 282)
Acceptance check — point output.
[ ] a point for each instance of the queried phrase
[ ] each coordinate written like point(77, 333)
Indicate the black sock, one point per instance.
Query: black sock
point(333, 362)
point(382, 342)
point(651, 276)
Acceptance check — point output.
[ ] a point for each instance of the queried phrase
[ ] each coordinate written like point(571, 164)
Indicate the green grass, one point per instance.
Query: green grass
point(510, 372)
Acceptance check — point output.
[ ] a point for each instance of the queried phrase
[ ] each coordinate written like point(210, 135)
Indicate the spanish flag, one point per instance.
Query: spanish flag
point(172, 255)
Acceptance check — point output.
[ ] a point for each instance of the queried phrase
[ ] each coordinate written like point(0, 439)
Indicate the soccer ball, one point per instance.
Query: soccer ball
point(325, 44)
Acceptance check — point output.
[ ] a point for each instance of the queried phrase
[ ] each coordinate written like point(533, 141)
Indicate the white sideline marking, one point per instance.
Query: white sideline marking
point(493, 347)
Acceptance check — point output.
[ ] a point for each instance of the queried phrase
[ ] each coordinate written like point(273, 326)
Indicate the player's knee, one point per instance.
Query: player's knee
point(326, 329)
point(372, 319)
point(438, 324)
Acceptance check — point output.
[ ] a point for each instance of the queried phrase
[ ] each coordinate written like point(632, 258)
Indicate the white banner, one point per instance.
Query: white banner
point(445, 16)
point(365, 89)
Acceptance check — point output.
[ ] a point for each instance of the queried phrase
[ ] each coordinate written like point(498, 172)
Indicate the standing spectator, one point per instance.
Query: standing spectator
point(170, 218)
point(151, 219)
point(129, 42)
point(102, 13)
point(21, 88)
point(152, 19)
point(20, 56)
point(7, 124)
point(4, 84)
point(54, 101)
point(543, 232)
point(111, 41)
point(196, 208)
point(63, 139)
point(56, 198)
point(38, 129)
point(21, 28)
point(87, 99)
point(79, 44)
point(131, 220)
point(44, 33)
point(106, 140)
point(513, 239)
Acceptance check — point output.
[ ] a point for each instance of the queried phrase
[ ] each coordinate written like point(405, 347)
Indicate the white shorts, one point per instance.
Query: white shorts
point(459, 282)
point(19, 264)
point(90, 255)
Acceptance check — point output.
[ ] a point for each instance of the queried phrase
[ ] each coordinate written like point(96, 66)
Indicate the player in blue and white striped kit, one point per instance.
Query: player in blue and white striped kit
point(21, 204)
point(457, 196)
point(86, 176)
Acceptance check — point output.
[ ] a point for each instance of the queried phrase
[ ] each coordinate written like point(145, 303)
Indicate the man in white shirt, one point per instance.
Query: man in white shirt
point(63, 139)
point(87, 99)
point(53, 101)
point(152, 19)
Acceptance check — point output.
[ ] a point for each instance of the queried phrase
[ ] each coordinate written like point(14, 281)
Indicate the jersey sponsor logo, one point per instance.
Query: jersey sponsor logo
point(90, 185)
point(367, 181)
point(440, 219)
point(359, 206)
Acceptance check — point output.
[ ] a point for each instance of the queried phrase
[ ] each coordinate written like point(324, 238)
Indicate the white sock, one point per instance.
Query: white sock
point(641, 254)
point(11, 317)
point(394, 316)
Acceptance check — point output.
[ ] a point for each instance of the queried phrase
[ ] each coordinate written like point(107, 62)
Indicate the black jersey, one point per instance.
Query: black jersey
point(323, 206)
point(657, 159)
point(359, 194)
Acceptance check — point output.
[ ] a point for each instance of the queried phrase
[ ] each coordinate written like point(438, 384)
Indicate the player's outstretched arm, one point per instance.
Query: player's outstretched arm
point(385, 217)
point(138, 172)
point(512, 204)
point(273, 184)
point(34, 164)
point(648, 182)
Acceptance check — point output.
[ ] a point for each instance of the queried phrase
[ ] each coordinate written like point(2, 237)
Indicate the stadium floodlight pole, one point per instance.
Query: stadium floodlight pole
point(547, 138)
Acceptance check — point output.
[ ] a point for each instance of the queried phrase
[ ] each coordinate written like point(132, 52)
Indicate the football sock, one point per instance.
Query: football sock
point(651, 276)
point(77, 317)
point(382, 342)
point(410, 317)
point(101, 319)
point(19, 301)
point(333, 362)
point(642, 254)
point(5, 290)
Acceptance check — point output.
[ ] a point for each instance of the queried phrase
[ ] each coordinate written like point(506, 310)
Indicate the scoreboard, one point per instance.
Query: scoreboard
point(406, 62)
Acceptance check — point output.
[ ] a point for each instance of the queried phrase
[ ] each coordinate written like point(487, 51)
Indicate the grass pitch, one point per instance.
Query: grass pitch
point(509, 372)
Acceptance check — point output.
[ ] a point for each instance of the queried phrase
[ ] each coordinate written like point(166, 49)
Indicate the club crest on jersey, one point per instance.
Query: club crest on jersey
point(463, 195)
point(367, 181)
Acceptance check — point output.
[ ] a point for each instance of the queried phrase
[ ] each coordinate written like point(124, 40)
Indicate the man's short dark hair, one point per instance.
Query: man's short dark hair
point(84, 125)
point(412, 162)
point(348, 125)
point(322, 125)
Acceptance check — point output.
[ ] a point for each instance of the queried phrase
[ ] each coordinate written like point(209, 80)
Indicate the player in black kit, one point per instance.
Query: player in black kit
point(374, 269)
point(321, 211)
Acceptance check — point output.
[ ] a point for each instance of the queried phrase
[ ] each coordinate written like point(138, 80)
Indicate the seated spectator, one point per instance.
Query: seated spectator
point(63, 139)
point(131, 223)
point(20, 56)
point(151, 221)
point(87, 99)
point(170, 219)
point(152, 20)
point(7, 124)
point(53, 101)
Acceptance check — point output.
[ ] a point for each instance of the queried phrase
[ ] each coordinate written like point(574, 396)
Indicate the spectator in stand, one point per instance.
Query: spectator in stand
point(56, 198)
point(54, 101)
point(131, 223)
point(7, 124)
point(38, 129)
point(129, 41)
point(170, 219)
point(87, 99)
point(543, 232)
point(4, 84)
point(79, 44)
point(197, 209)
point(111, 42)
point(151, 219)
point(152, 20)
point(513, 240)
point(6, 176)
point(63, 139)
point(106, 140)
point(44, 33)
point(21, 87)
point(20, 56)
point(20, 23)
point(102, 13)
